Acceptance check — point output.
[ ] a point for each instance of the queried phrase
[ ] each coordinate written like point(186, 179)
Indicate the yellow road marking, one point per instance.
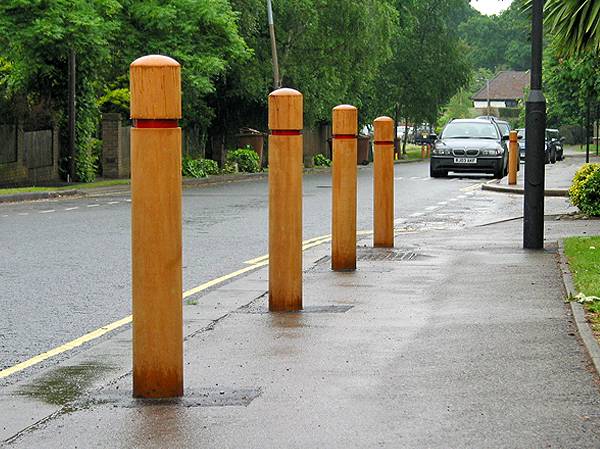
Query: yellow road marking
point(64, 348)
point(222, 279)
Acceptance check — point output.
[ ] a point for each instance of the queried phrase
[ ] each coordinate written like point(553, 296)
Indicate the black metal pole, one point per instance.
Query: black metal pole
point(72, 112)
point(533, 225)
point(588, 119)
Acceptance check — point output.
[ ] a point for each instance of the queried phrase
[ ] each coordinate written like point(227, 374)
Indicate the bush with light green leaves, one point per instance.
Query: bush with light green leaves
point(585, 190)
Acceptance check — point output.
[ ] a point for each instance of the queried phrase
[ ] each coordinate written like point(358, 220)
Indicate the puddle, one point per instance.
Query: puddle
point(64, 385)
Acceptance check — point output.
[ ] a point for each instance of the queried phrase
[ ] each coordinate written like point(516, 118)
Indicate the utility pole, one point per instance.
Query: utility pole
point(533, 225)
point(276, 79)
point(588, 119)
point(72, 112)
point(488, 97)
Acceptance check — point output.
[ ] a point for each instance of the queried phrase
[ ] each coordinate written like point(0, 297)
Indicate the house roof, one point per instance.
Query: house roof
point(507, 85)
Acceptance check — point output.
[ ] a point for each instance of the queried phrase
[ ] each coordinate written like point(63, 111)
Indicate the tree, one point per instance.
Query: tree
point(36, 38)
point(429, 64)
point(575, 24)
point(330, 50)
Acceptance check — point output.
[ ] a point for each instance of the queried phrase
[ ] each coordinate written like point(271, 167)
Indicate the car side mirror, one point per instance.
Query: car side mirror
point(519, 137)
point(433, 137)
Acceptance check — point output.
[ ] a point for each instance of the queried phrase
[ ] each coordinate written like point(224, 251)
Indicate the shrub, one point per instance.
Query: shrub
point(246, 159)
point(585, 190)
point(320, 160)
point(209, 166)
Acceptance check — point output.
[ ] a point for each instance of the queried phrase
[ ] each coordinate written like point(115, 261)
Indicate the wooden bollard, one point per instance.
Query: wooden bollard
point(383, 183)
point(513, 157)
point(343, 174)
point(156, 228)
point(286, 110)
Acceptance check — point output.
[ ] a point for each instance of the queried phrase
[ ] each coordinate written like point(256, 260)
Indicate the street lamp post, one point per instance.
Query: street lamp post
point(276, 77)
point(533, 226)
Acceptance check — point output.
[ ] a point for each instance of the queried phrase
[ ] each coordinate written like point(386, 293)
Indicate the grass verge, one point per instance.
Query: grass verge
point(90, 185)
point(413, 152)
point(583, 254)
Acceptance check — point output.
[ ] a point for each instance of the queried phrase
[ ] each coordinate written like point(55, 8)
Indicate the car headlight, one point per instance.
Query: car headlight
point(441, 151)
point(491, 152)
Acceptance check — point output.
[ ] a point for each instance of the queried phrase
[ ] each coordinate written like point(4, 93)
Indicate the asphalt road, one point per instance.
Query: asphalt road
point(65, 265)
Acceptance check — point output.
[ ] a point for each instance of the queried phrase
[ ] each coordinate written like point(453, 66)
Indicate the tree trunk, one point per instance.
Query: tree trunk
point(405, 137)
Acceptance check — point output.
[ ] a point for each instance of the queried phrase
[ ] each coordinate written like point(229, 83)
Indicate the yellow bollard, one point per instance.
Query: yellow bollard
point(513, 158)
point(285, 200)
point(156, 228)
point(343, 174)
point(383, 183)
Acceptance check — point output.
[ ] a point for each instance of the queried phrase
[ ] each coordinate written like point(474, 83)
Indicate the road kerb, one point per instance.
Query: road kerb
point(521, 190)
point(583, 328)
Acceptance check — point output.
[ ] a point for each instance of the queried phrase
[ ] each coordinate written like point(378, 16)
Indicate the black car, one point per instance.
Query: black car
point(553, 148)
point(555, 140)
point(470, 145)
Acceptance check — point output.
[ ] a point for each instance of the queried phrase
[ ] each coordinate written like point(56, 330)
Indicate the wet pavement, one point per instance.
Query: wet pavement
point(456, 338)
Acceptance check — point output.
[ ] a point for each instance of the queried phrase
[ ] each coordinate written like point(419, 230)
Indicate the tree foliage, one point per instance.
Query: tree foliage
point(575, 24)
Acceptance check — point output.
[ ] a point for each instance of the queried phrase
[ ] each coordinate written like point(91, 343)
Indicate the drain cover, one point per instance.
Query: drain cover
point(261, 309)
point(384, 254)
point(205, 397)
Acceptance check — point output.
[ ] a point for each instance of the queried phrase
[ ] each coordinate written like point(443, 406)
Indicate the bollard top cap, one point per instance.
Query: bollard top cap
point(345, 120)
point(286, 110)
point(155, 61)
point(513, 136)
point(155, 85)
point(384, 129)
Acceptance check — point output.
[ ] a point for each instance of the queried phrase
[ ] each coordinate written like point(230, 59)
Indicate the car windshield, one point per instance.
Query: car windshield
point(470, 130)
point(504, 128)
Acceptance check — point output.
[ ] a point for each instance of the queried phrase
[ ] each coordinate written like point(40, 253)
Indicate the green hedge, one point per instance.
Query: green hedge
point(585, 190)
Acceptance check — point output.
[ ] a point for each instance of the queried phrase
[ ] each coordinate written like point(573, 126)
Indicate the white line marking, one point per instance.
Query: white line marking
point(415, 177)
point(443, 203)
point(417, 214)
point(128, 200)
point(470, 193)
point(400, 178)
point(461, 197)
point(432, 208)
point(426, 179)
point(453, 200)
point(5, 215)
point(93, 205)
point(47, 211)
point(72, 208)
point(113, 202)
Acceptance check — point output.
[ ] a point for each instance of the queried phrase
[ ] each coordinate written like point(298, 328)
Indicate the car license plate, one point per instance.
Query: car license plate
point(465, 160)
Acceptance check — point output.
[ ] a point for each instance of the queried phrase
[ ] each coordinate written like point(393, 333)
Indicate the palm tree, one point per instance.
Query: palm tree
point(575, 24)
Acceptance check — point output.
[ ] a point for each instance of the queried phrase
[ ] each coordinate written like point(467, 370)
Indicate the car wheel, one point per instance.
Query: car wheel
point(553, 157)
point(437, 173)
point(499, 172)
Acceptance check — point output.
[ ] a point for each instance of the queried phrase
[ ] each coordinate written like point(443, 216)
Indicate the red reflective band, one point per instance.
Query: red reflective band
point(152, 123)
point(384, 142)
point(279, 132)
point(345, 136)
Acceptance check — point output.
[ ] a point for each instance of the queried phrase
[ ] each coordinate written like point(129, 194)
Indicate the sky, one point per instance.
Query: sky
point(490, 6)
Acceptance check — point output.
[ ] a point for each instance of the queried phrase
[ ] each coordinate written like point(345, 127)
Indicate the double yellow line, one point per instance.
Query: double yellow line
point(253, 264)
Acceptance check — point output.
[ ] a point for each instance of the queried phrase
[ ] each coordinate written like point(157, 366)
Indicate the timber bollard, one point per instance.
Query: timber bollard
point(383, 183)
point(513, 158)
point(156, 228)
point(343, 174)
point(286, 111)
